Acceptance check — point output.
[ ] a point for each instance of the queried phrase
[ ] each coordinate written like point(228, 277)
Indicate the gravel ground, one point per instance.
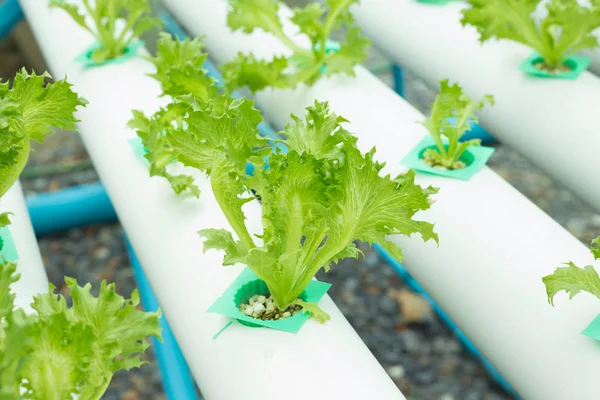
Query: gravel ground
point(415, 347)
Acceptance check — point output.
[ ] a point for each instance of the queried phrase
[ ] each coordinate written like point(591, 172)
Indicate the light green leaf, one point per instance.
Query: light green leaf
point(595, 248)
point(565, 30)
point(351, 53)
point(220, 239)
point(246, 70)
point(452, 102)
point(179, 68)
point(305, 65)
point(152, 131)
point(31, 110)
point(320, 134)
point(572, 280)
point(247, 15)
point(308, 20)
point(73, 11)
point(314, 310)
point(8, 276)
point(105, 16)
point(4, 219)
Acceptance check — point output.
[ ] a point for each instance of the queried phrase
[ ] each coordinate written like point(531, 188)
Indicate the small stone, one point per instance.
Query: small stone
point(101, 253)
point(252, 300)
point(276, 316)
point(446, 396)
point(388, 305)
point(372, 259)
point(261, 299)
point(287, 314)
point(248, 311)
point(396, 371)
point(258, 308)
point(270, 307)
point(412, 342)
point(445, 345)
point(425, 377)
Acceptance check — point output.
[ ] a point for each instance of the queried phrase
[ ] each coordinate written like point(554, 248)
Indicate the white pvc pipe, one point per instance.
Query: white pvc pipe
point(320, 362)
point(495, 245)
point(33, 278)
point(549, 121)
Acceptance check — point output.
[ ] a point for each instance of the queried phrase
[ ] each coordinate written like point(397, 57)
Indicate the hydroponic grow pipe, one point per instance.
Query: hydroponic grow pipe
point(549, 121)
point(33, 278)
point(321, 361)
point(486, 272)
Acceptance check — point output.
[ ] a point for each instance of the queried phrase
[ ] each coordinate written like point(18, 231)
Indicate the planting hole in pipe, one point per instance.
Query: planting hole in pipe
point(474, 157)
point(572, 67)
point(464, 161)
point(87, 58)
point(246, 299)
point(246, 285)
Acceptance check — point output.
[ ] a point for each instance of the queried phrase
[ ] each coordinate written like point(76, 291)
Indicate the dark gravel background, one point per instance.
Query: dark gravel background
point(416, 348)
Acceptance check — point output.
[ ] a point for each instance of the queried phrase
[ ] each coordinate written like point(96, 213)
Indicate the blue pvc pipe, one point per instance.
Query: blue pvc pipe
point(398, 76)
point(10, 14)
point(177, 379)
point(70, 207)
point(414, 285)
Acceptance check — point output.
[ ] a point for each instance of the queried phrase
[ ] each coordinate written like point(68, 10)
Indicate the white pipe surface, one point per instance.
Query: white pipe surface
point(549, 121)
point(320, 362)
point(33, 278)
point(495, 245)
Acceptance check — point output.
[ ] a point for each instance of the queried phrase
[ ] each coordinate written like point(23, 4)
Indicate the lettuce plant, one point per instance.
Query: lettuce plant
point(451, 102)
point(101, 19)
point(565, 30)
point(315, 22)
point(62, 350)
point(317, 198)
point(573, 279)
point(179, 70)
point(31, 110)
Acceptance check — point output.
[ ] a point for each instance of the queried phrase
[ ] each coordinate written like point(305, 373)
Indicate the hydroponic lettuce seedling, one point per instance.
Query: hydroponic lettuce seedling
point(317, 198)
point(305, 65)
point(62, 350)
point(573, 279)
point(179, 71)
point(451, 102)
point(114, 23)
point(565, 30)
point(30, 109)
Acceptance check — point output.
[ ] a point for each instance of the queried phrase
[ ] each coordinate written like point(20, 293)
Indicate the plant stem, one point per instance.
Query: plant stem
point(221, 195)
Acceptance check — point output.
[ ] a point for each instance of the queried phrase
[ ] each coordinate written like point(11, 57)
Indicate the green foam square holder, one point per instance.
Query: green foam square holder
point(85, 58)
point(139, 149)
point(246, 285)
point(8, 249)
point(593, 329)
point(475, 157)
point(578, 64)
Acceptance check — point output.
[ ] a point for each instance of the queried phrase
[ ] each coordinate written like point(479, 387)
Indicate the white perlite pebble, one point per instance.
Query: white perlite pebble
point(270, 307)
point(286, 314)
point(395, 371)
point(261, 299)
point(248, 310)
point(258, 308)
point(252, 300)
